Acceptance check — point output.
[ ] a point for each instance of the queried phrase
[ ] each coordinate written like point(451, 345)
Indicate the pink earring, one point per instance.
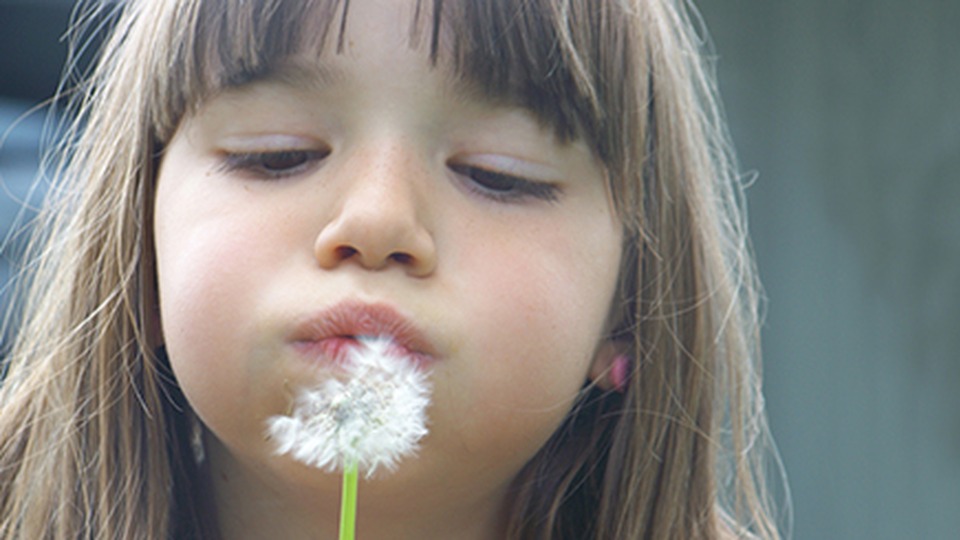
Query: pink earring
point(620, 372)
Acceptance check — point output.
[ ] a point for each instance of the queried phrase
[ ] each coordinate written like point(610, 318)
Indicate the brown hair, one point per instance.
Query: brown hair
point(93, 429)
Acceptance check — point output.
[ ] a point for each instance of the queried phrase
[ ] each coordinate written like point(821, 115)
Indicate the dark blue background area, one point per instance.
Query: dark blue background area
point(32, 55)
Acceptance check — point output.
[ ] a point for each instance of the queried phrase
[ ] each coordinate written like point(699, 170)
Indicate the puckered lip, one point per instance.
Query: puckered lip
point(331, 332)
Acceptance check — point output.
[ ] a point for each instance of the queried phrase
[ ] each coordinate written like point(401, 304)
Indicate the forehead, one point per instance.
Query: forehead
point(503, 51)
point(348, 73)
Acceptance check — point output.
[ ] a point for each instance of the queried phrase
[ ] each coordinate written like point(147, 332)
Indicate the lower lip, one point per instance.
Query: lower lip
point(336, 350)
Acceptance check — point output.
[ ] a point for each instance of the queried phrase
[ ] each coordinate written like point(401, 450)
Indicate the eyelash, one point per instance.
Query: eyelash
point(503, 187)
point(257, 163)
point(497, 186)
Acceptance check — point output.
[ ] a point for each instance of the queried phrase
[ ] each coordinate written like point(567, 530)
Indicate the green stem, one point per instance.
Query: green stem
point(348, 502)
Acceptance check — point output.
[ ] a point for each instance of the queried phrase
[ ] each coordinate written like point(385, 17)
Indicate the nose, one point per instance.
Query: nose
point(378, 221)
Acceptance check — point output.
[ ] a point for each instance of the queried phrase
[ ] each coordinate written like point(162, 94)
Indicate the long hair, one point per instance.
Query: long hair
point(94, 433)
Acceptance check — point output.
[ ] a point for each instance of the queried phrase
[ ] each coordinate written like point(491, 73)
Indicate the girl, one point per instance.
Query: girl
point(533, 198)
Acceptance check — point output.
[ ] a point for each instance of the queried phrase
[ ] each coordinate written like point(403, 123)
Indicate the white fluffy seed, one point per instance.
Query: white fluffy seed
point(374, 416)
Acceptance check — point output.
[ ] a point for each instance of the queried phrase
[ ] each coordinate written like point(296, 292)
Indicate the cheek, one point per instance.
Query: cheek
point(555, 286)
point(197, 309)
point(547, 326)
point(199, 274)
point(536, 308)
point(208, 266)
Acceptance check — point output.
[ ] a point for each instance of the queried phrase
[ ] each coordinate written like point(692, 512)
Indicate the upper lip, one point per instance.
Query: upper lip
point(354, 319)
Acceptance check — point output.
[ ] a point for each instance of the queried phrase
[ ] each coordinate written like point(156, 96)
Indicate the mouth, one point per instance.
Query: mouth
point(330, 335)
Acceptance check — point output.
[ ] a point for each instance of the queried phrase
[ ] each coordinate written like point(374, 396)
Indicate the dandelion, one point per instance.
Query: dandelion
point(371, 418)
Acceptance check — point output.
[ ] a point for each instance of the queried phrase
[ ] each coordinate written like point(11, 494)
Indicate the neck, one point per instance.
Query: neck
point(253, 504)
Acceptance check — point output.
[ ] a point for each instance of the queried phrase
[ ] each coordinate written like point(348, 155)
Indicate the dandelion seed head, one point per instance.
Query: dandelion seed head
point(374, 415)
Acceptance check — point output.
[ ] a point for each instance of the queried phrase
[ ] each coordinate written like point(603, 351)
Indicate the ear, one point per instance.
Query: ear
point(611, 367)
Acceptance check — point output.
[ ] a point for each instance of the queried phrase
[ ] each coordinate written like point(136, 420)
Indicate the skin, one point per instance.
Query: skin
point(377, 200)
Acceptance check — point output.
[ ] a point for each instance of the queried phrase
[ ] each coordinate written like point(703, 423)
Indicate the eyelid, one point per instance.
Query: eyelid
point(250, 155)
point(521, 168)
point(505, 179)
point(249, 144)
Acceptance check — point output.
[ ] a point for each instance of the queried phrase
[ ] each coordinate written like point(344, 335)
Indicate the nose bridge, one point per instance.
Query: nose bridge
point(384, 183)
point(385, 173)
point(380, 216)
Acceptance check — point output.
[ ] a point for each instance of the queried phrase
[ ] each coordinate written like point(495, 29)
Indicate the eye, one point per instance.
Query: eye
point(273, 164)
point(502, 187)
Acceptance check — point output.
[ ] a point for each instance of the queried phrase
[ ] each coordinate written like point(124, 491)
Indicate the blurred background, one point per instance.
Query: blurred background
point(847, 116)
point(848, 112)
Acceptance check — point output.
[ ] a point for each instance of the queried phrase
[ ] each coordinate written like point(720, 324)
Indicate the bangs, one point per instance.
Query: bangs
point(566, 62)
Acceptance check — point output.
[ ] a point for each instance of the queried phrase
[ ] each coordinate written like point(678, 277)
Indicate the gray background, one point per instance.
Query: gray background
point(848, 115)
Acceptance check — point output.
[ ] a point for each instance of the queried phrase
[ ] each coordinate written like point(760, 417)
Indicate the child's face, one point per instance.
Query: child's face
point(370, 179)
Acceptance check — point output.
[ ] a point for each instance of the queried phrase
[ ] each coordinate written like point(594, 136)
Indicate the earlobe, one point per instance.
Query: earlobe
point(612, 367)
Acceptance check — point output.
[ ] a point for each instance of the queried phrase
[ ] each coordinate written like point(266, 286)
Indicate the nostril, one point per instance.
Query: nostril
point(354, 241)
point(345, 252)
point(401, 258)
